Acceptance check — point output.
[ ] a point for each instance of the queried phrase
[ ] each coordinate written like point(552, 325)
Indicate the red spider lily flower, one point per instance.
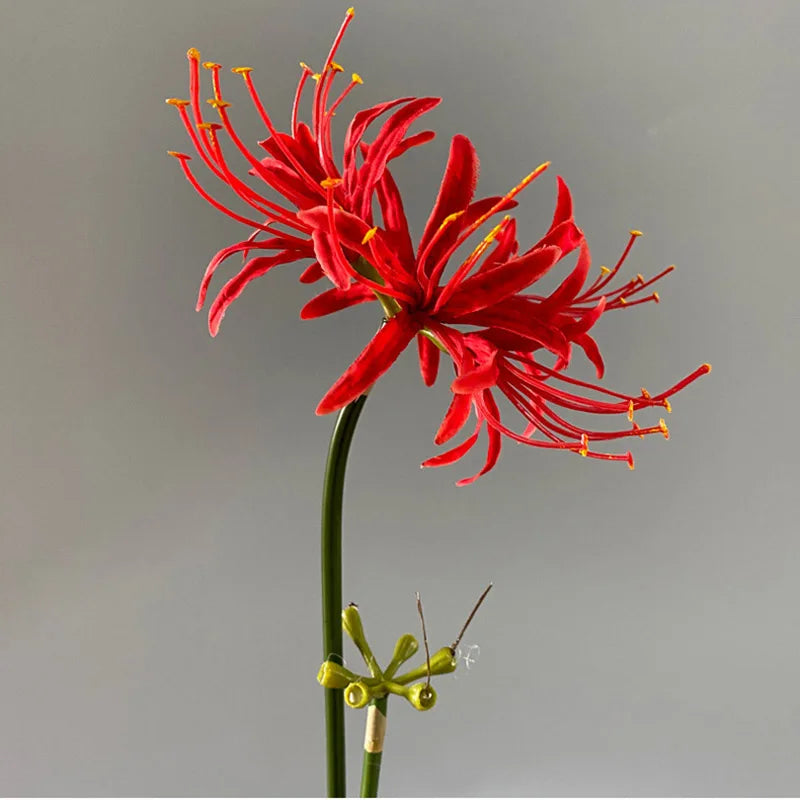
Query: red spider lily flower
point(514, 325)
point(299, 166)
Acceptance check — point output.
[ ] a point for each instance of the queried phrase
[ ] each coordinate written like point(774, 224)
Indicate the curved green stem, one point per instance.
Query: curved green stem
point(373, 746)
point(332, 494)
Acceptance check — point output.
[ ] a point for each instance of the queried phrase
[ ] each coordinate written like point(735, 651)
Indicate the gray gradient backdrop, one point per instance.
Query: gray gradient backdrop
point(159, 628)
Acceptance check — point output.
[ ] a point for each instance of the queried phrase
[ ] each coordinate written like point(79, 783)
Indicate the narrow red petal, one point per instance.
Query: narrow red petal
point(488, 288)
point(312, 273)
point(457, 188)
point(323, 249)
point(428, 359)
point(451, 456)
point(371, 364)
point(253, 269)
point(334, 300)
point(455, 418)
point(592, 351)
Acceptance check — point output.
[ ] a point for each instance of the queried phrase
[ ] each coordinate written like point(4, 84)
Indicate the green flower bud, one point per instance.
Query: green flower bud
point(422, 696)
point(351, 622)
point(334, 676)
point(406, 646)
point(358, 694)
point(442, 662)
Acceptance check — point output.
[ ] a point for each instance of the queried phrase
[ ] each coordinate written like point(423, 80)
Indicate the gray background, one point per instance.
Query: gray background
point(159, 628)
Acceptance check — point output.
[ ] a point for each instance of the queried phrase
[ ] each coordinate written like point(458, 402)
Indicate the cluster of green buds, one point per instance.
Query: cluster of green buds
point(414, 685)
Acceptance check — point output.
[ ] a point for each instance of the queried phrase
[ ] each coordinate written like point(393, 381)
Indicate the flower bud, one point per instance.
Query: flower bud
point(358, 694)
point(422, 696)
point(442, 662)
point(351, 622)
point(406, 646)
point(334, 676)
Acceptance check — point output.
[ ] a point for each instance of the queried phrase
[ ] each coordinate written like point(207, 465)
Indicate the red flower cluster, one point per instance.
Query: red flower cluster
point(483, 316)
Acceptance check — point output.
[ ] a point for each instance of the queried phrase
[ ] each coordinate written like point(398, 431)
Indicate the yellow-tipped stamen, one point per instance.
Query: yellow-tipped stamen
point(656, 297)
point(637, 428)
point(645, 393)
point(631, 465)
point(330, 183)
point(211, 65)
point(623, 301)
point(636, 233)
point(241, 70)
point(667, 406)
point(369, 234)
point(217, 103)
point(350, 11)
point(663, 426)
point(707, 367)
point(180, 156)
point(357, 78)
point(193, 54)
point(316, 76)
point(584, 450)
point(630, 411)
point(605, 270)
point(305, 66)
point(640, 277)
point(208, 126)
point(336, 67)
point(177, 101)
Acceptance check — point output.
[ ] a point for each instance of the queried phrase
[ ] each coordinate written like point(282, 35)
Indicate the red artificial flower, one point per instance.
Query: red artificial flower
point(300, 166)
point(484, 291)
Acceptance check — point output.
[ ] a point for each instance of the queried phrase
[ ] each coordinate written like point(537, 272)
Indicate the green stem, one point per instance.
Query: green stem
point(332, 493)
point(373, 741)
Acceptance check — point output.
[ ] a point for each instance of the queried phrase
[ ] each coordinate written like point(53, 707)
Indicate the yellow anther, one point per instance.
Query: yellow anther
point(329, 183)
point(656, 297)
point(707, 367)
point(305, 66)
point(193, 53)
point(640, 277)
point(218, 104)
point(605, 270)
point(316, 76)
point(241, 70)
point(336, 67)
point(645, 393)
point(630, 410)
point(181, 156)
point(209, 126)
point(450, 218)
point(584, 451)
point(350, 11)
point(637, 428)
point(528, 178)
point(623, 301)
point(663, 426)
point(667, 406)
point(636, 233)
point(369, 234)
point(176, 101)
point(357, 78)
point(631, 465)
point(211, 65)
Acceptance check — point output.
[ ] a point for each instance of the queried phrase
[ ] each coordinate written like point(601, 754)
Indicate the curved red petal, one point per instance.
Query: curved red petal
point(371, 363)
point(429, 355)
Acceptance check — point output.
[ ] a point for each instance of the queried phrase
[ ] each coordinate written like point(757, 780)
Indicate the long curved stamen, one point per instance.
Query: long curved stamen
point(301, 170)
point(183, 158)
point(608, 275)
point(193, 55)
point(250, 196)
point(438, 234)
point(438, 268)
point(307, 72)
point(471, 260)
point(317, 108)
